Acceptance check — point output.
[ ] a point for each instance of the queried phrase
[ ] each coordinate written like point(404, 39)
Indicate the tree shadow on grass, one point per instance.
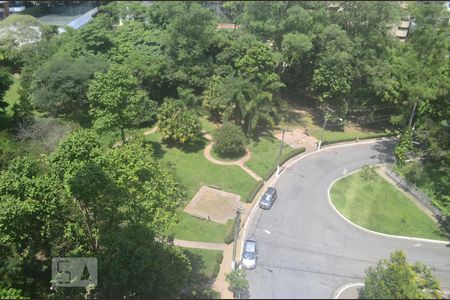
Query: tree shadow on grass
point(193, 147)
point(158, 150)
point(198, 284)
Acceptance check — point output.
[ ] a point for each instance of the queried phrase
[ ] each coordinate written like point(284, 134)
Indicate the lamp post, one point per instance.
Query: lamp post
point(326, 117)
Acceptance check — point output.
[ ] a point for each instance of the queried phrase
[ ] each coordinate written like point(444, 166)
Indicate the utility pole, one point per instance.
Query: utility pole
point(323, 129)
point(281, 149)
point(237, 224)
point(412, 115)
point(326, 117)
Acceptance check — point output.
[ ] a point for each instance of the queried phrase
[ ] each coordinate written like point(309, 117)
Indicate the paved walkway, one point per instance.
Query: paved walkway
point(240, 163)
point(220, 284)
point(199, 245)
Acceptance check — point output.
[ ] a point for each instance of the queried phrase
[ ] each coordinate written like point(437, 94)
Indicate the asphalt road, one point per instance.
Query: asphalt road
point(306, 250)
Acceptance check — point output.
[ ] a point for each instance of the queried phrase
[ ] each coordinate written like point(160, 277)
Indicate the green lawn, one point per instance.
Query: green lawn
point(194, 170)
point(207, 125)
point(381, 207)
point(264, 154)
point(194, 229)
point(207, 261)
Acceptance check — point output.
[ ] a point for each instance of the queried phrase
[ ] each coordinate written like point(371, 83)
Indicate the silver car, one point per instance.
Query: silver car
point(268, 198)
point(249, 255)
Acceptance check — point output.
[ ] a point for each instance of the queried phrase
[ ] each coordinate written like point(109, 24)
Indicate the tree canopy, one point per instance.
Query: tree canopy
point(397, 279)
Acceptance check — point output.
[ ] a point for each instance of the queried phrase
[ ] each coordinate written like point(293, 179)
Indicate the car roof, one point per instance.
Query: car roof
point(271, 190)
point(250, 246)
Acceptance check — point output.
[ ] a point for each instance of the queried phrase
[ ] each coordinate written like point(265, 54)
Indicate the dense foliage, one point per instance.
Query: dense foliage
point(229, 140)
point(397, 279)
point(178, 124)
point(168, 62)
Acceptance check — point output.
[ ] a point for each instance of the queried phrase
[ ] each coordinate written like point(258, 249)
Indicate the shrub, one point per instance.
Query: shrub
point(238, 283)
point(229, 236)
point(230, 140)
point(177, 123)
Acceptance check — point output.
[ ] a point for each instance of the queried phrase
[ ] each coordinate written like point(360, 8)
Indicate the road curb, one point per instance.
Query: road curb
point(371, 231)
point(338, 292)
point(289, 163)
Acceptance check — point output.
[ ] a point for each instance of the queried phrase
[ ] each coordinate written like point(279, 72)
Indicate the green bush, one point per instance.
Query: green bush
point(229, 236)
point(178, 124)
point(219, 258)
point(229, 140)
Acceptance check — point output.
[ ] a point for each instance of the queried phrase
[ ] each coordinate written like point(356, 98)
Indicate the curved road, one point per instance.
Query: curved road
point(306, 250)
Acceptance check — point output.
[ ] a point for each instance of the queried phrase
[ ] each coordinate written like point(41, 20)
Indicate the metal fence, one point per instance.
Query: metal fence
point(413, 190)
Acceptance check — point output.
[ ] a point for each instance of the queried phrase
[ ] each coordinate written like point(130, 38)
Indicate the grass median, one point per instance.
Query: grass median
point(377, 205)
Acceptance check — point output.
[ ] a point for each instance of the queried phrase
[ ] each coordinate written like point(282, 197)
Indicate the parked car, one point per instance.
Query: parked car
point(249, 255)
point(268, 198)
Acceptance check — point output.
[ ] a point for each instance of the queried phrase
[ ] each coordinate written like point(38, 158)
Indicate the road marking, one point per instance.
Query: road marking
point(338, 292)
point(417, 245)
point(344, 172)
point(267, 231)
point(301, 156)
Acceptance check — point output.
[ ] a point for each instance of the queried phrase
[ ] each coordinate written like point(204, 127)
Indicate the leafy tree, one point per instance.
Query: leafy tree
point(28, 208)
point(238, 283)
point(119, 204)
point(116, 101)
point(396, 279)
point(5, 83)
point(140, 48)
point(189, 64)
point(60, 85)
point(178, 124)
point(236, 99)
point(404, 146)
point(368, 173)
point(296, 49)
point(333, 77)
point(8, 150)
point(18, 36)
point(229, 140)
point(10, 293)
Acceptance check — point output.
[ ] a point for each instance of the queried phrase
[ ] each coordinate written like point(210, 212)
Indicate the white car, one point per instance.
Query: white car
point(249, 255)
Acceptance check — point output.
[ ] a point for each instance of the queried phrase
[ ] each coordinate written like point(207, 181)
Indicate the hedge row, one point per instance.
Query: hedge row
point(219, 258)
point(283, 160)
point(229, 236)
point(255, 191)
point(375, 136)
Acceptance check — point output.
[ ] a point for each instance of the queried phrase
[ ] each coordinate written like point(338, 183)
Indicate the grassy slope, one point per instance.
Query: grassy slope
point(194, 170)
point(264, 154)
point(381, 207)
point(194, 229)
